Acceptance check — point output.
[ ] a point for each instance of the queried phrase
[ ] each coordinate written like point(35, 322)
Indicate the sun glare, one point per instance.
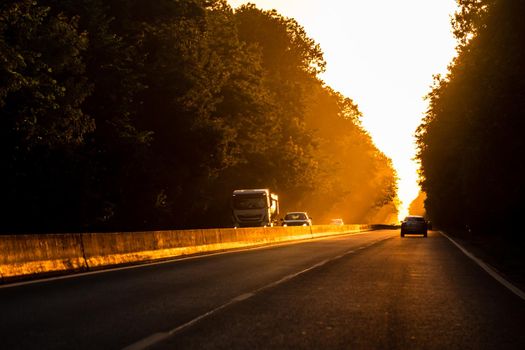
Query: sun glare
point(382, 54)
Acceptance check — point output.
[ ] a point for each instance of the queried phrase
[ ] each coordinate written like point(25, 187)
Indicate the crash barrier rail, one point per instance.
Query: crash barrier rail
point(29, 256)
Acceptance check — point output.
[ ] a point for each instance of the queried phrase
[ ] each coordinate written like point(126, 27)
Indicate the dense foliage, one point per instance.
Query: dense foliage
point(471, 143)
point(132, 115)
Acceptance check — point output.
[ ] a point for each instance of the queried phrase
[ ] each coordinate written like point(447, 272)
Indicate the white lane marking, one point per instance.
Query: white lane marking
point(160, 336)
point(179, 258)
point(243, 297)
point(493, 273)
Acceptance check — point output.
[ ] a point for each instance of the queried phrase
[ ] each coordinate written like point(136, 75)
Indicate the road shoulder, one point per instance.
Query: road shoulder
point(503, 257)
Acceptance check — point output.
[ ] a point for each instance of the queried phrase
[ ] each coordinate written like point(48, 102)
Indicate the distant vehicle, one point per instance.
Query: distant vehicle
point(254, 207)
point(414, 224)
point(297, 218)
point(336, 222)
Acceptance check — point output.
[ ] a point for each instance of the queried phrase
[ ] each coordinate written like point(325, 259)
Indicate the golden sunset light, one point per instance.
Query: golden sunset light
point(383, 55)
point(270, 174)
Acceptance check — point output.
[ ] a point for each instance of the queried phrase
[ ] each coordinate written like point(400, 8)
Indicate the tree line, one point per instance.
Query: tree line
point(140, 115)
point(471, 142)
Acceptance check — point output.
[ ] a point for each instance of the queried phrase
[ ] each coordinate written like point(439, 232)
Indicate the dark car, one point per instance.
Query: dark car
point(297, 218)
point(414, 224)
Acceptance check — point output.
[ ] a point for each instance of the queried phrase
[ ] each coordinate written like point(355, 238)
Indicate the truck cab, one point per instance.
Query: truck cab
point(254, 207)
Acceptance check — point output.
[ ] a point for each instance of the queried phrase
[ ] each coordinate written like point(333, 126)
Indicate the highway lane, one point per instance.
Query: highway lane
point(410, 293)
point(114, 309)
point(367, 291)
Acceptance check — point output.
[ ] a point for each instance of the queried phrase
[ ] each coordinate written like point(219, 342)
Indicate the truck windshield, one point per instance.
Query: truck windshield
point(249, 202)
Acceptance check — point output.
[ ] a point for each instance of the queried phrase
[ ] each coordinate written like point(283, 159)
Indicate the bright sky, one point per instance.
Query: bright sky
point(382, 54)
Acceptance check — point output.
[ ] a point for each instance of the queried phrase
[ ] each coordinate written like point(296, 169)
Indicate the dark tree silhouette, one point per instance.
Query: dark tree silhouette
point(139, 115)
point(471, 142)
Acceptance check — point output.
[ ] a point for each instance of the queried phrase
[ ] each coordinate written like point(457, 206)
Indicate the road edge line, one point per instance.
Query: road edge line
point(488, 269)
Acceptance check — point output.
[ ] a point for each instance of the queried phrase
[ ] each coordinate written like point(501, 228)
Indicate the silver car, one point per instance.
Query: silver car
point(297, 218)
point(414, 224)
point(337, 222)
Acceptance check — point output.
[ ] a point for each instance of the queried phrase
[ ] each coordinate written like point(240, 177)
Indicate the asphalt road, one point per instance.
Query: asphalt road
point(367, 291)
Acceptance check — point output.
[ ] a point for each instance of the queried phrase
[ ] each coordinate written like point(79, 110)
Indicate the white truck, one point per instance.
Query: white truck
point(254, 207)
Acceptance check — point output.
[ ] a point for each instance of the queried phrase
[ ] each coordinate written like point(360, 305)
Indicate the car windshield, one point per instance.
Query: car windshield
point(295, 216)
point(249, 202)
point(414, 218)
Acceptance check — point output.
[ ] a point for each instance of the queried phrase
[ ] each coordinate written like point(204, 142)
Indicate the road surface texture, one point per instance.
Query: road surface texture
point(368, 291)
